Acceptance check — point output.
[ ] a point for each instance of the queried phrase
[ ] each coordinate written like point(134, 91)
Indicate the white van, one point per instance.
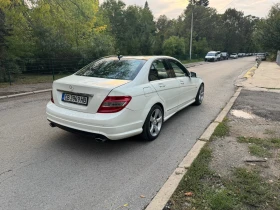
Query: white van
point(213, 56)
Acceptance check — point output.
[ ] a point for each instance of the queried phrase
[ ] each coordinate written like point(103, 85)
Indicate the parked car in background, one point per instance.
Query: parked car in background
point(261, 56)
point(233, 55)
point(213, 56)
point(118, 97)
point(219, 55)
point(240, 55)
point(224, 56)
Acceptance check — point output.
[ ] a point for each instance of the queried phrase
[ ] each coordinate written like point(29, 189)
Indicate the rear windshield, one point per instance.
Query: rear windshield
point(110, 68)
point(210, 54)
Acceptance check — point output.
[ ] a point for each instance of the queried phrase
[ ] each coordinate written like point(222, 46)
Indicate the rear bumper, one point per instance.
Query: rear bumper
point(123, 124)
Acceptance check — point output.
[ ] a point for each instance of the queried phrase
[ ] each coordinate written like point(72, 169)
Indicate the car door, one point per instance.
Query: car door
point(188, 86)
point(163, 79)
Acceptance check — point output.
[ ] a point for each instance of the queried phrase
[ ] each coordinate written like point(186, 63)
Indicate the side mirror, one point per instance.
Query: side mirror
point(192, 74)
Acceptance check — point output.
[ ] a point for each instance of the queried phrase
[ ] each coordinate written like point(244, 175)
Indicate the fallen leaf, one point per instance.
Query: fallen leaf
point(189, 194)
point(125, 205)
point(142, 196)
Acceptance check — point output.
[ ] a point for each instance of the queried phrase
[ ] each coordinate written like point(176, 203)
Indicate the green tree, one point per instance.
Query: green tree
point(115, 12)
point(174, 46)
point(204, 3)
point(268, 34)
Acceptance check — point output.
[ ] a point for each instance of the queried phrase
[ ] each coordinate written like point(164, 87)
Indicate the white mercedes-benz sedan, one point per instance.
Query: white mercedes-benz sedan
point(119, 97)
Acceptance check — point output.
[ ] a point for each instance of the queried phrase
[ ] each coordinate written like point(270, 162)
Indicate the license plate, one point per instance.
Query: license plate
point(75, 99)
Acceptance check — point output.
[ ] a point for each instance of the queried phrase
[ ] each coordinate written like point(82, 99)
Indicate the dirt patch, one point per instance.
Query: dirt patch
point(228, 153)
point(240, 167)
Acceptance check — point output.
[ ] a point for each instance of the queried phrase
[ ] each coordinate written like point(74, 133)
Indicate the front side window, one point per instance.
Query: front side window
point(113, 68)
point(179, 70)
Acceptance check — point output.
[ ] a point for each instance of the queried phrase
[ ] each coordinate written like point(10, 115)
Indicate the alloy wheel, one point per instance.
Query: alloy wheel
point(155, 122)
point(201, 94)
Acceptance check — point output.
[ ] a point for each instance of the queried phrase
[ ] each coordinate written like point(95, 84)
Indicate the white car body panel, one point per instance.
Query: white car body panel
point(233, 56)
point(173, 94)
point(215, 57)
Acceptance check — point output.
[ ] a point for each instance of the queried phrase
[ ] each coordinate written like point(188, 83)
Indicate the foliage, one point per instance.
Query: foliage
point(37, 30)
point(133, 27)
point(268, 33)
point(204, 3)
point(174, 46)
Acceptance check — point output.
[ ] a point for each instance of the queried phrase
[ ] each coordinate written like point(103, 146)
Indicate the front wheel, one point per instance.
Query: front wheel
point(200, 95)
point(153, 124)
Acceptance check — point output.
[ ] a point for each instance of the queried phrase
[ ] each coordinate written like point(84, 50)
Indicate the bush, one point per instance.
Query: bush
point(7, 68)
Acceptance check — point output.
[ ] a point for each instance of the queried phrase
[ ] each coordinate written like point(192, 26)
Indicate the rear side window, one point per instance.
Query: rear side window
point(110, 68)
point(160, 70)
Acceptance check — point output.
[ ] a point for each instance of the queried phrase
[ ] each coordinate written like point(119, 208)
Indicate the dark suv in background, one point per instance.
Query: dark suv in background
point(224, 56)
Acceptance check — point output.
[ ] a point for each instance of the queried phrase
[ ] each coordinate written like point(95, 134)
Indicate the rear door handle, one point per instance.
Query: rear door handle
point(161, 85)
point(182, 82)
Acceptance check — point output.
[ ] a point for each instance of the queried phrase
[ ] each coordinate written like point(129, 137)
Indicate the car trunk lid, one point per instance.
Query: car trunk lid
point(93, 89)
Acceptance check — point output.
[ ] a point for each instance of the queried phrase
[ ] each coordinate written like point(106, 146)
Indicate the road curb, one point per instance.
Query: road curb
point(25, 94)
point(250, 73)
point(169, 187)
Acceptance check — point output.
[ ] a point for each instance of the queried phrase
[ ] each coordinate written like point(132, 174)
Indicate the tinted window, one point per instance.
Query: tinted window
point(160, 70)
point(210, 54)
point(110, 68)
point(179, 70)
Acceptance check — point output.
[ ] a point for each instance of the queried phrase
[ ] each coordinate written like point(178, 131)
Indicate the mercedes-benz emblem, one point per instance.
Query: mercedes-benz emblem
point(70, 86)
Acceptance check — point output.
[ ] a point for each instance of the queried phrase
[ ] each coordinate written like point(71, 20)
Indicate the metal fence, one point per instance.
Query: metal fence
point(42, 69)
point(29, 70)
point(278, 58)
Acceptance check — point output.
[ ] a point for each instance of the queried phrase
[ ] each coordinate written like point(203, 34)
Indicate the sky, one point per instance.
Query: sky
point(173, 8)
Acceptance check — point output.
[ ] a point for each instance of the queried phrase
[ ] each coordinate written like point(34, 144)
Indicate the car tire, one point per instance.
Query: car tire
point(153, 124)
point(200, 95)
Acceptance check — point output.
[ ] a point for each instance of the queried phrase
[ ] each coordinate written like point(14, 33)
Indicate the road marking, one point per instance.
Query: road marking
point(250, 73)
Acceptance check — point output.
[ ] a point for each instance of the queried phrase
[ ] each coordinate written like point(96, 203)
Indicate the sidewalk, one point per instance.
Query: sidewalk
point(239, 167)
point(266, 77)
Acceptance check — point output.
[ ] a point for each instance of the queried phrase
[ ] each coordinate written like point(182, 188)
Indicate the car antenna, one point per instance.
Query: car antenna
point(119, 57)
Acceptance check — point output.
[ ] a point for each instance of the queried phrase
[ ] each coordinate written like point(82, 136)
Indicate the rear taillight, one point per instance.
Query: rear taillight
point(113, 104)
point(52, 97)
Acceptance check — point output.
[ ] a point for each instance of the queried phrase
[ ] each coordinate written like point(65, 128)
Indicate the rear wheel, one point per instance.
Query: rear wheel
point(153, 124)
point(200, 95)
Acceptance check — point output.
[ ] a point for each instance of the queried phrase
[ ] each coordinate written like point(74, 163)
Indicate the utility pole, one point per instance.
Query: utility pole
point(191, 36)
point(193, 3)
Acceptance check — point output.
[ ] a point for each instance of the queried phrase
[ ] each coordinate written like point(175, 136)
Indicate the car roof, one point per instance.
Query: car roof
point(148, 57)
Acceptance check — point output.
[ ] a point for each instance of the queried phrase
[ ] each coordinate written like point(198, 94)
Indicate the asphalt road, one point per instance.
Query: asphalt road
point(47, 168)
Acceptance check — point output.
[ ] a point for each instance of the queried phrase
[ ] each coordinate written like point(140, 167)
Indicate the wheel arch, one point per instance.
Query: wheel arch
point(156, 103)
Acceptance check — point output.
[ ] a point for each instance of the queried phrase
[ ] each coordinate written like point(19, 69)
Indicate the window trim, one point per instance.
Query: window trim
point(167, 64)
point(184, 69)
